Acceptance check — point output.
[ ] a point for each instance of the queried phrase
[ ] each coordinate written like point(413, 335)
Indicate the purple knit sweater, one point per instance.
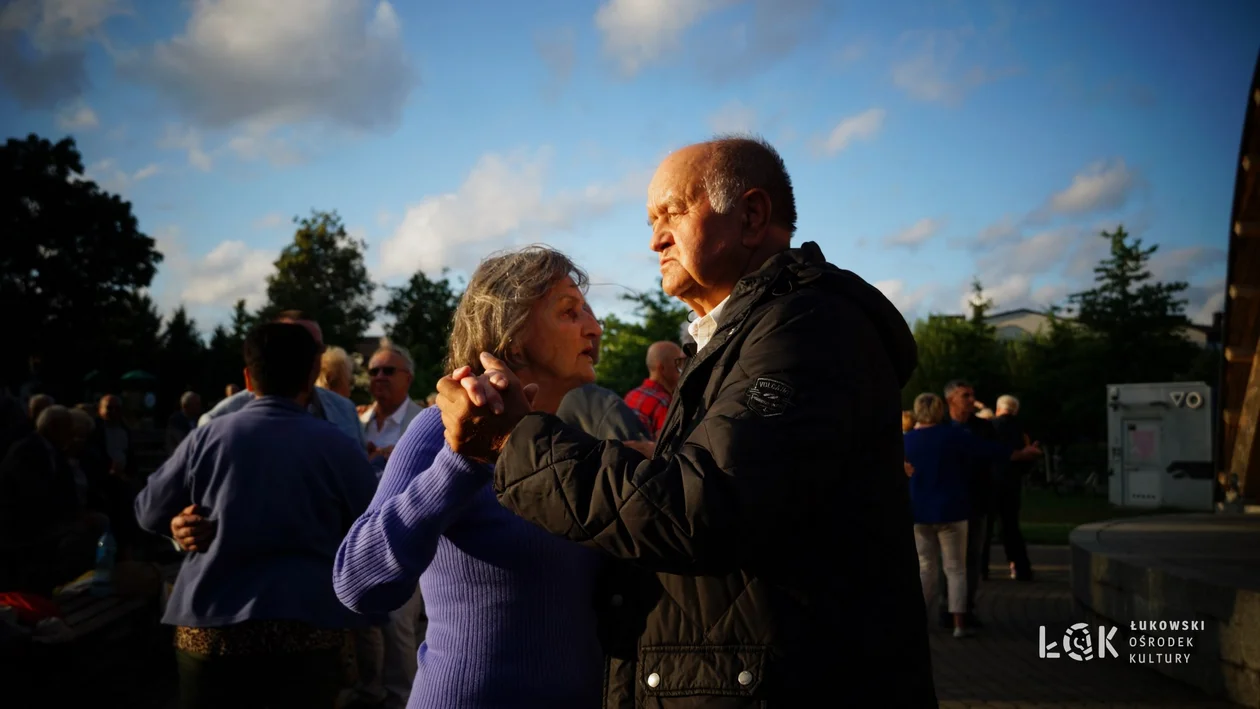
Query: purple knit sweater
point(511, 617)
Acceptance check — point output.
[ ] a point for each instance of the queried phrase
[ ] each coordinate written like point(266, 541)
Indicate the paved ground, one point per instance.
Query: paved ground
point(1000, 667)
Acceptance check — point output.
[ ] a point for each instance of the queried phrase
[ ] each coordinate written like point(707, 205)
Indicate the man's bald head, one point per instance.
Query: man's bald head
point(662, 363)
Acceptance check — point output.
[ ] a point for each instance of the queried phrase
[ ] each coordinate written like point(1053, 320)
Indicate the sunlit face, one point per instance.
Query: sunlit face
point(560, 342)
point(695, 243)
point(390, 379)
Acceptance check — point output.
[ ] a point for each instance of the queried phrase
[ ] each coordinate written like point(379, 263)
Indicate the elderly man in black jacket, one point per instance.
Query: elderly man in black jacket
point(767, 537)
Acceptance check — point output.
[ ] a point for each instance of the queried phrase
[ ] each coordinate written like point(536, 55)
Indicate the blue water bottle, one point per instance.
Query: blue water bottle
point(103, 578)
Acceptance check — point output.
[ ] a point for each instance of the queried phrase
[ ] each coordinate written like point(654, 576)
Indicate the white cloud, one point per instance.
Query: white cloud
point(77, 117)
point(1182, 264)
point(1204, 301)
point(215, 280)
point(501, 203)
point(111, 178)
point(57, 33)
point(270, 221)
point(1100, 186)
point(284, 62)
point(733, 117)
point(908, 301)
point(189, 140)
point(932, 70)
point(1007, 293)
point(863, 126)
point(914, 235)
point(1040, 253)
point(637, 33)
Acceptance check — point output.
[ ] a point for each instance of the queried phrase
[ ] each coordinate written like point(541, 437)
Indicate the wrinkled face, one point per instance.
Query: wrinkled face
point(390, 378)
point(696, 244)
point(560, 341)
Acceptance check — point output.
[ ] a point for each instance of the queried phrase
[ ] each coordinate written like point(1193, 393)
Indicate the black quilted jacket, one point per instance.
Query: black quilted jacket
point(767, 547)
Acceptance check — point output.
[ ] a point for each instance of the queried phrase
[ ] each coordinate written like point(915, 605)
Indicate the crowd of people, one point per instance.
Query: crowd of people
point(528, 538)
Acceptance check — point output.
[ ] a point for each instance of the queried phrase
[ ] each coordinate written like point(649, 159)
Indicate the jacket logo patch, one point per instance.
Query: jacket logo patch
point(767, 397)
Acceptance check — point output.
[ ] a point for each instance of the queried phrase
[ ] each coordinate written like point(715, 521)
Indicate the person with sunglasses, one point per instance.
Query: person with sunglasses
point(391, 372)
point(650, 400)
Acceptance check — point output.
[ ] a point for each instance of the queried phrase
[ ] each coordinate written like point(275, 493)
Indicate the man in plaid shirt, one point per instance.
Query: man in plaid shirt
point(650, 400)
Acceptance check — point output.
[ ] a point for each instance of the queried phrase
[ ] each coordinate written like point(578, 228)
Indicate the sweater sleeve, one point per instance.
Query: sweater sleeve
point(425, 488)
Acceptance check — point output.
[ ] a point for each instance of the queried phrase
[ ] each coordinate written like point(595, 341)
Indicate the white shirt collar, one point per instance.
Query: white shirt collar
point(703, 329)
point(396, 417)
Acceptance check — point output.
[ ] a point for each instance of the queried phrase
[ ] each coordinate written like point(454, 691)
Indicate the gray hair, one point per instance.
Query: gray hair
point(188, 397)
point(335, 367)
point(497, 302)
point(53, 420)
point(387, 346)
point(956, 384)
point(1006, 402)
point(739, 163)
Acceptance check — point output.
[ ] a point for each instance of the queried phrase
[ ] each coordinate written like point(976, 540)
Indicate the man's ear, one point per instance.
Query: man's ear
point(756, 217)
point(249, 383)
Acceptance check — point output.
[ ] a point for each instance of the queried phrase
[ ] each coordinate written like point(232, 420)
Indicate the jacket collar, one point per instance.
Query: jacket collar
point(782, 271)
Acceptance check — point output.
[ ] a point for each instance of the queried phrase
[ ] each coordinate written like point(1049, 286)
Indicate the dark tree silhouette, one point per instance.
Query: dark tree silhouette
point(73, 263)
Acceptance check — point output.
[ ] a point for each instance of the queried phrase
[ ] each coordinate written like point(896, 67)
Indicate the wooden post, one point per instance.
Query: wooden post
point(1240, 462)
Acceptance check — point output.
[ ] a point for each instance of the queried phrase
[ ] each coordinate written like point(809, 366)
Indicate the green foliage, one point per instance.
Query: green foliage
point(72, 265)
point(322, 274)
point(623, 350)
point(1139, 321)
point(954, 348)
point(422, 311)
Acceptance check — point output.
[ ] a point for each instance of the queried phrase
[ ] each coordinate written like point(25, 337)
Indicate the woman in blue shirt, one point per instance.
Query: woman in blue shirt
point(937, 458)
point(510, 607)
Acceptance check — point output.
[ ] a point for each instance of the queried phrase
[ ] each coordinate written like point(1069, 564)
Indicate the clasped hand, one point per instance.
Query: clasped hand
point(480, 411)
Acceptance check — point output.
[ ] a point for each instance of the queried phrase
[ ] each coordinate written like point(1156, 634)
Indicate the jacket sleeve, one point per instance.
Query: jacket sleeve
point(426, 488)
point(716, 500)
point(167, 491)
point(621, 423)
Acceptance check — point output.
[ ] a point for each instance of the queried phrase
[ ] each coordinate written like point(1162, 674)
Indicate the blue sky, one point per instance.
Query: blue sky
point(929, 142)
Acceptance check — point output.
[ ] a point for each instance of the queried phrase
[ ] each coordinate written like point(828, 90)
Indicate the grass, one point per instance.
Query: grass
point(1048, 518)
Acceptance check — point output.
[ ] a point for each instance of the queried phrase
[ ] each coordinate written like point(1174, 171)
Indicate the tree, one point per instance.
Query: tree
point(423, 310)
point(623, 350)
point(952, 348)
point(183, 362)
point(225, 364)
point(71, 261)
point(1139, 321)
point(322, 274)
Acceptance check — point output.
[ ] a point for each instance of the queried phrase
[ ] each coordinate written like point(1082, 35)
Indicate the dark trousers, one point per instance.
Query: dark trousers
point(307, 680)
point(977, 541)
point(1008, 500)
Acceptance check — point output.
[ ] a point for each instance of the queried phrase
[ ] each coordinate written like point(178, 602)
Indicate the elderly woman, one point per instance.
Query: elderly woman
point(336, 371)
point(511, 616)
point(936, 457)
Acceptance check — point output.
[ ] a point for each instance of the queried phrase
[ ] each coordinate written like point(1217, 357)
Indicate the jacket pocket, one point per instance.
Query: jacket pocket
point(701, 670)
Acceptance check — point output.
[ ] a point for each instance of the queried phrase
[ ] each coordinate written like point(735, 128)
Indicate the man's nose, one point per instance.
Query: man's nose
point(660, 240)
